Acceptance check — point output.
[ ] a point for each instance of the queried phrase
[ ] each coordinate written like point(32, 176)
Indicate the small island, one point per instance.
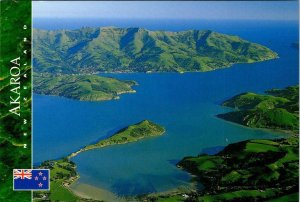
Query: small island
point(277, 109)
point(133, 133)
point(81, 87)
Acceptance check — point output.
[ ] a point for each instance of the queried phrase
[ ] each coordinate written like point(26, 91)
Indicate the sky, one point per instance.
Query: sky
point(276, 10)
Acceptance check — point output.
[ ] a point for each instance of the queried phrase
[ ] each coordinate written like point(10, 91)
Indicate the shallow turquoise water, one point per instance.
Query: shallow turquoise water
point(185, 104)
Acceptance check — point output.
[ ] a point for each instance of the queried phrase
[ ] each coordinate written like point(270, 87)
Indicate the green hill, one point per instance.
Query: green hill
point(81, 87)
point(111, 49)
point(63, 173)
point(132, 133)
point(253, 170)
point(277, 110)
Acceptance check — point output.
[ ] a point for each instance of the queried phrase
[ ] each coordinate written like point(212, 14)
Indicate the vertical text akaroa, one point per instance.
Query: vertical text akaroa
point(15, 86)
point(15, 82)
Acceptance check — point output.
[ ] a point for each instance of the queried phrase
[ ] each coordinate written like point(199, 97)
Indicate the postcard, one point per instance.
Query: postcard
point(149, 101)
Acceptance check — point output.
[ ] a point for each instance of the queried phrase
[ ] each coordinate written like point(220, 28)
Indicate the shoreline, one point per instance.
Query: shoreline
point(170, 72)
point(100, 100)
point(88, 191)
point(102, 143)
point(84, 149)
point(274, 131)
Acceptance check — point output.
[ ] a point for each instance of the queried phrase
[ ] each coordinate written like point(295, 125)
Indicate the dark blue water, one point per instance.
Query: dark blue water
point(185, 104)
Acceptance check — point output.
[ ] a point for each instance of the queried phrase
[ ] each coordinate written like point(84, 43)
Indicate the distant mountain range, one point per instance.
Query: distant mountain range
point(111, 49)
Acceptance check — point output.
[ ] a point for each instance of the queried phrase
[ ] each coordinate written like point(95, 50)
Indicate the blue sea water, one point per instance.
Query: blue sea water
point(185, 104)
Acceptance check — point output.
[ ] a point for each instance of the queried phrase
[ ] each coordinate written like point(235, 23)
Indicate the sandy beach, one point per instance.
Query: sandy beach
point(89, 191)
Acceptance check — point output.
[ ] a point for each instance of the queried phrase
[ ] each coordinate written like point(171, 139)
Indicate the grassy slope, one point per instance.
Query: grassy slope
point(14, 14)
point(129, 134)
point(278, 110)
point(249, 170)
point(139, 50)
point(81, 87)
point(62, 172)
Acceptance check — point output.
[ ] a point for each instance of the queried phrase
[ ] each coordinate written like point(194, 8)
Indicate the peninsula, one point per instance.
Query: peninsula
point(133, 133)
point(251, 170)
point(278, 109)
point(63, 171)
point(112, 49)
point(81, 87)
point(64, 60)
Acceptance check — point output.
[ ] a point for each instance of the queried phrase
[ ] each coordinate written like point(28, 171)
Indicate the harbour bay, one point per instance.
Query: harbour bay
point(186, 105)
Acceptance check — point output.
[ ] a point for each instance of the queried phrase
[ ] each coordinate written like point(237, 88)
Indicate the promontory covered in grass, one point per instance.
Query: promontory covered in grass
point(81, 87)
point(63, 171)
point(253, 170)
point(112, 49)
point(278, 109)
point(132, 133)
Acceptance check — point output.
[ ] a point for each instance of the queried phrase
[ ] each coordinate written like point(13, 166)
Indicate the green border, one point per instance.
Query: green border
point(15, 131)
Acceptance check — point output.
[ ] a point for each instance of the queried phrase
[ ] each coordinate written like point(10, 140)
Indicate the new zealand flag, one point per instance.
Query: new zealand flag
point(31, 179)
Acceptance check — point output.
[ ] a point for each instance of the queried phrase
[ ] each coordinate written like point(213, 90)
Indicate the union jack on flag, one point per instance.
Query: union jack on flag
point(22, 174)
point(31, 179)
